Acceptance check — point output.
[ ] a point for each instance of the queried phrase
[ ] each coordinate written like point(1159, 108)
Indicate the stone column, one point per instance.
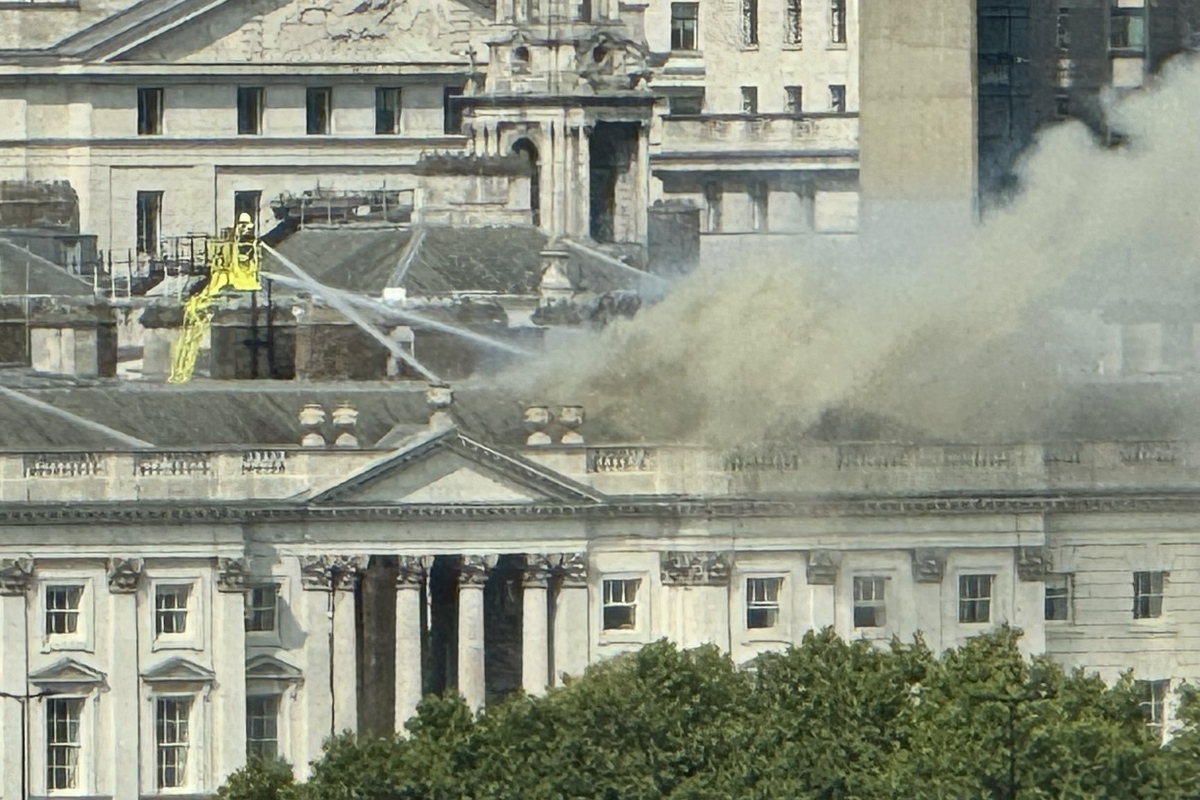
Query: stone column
point(124, 581)
point(413, 571)
point(345, 577)
point(229, 663)
point(15, 578)
point(642, 187)
point(572, 617)
point(535, 625)
point(472, 575)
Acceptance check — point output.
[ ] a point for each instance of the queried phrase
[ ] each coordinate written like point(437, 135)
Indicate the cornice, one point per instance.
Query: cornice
point(149, 513)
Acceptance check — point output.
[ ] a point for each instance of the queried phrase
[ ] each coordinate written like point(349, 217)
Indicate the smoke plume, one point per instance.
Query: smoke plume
point(942, 333)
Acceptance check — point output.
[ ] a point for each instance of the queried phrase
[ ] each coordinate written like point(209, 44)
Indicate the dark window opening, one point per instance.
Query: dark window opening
point(1062, 35)
point(526, 148)
point(684, 104)
point(319, 103)
point(249, 110)
point(685, 19)
point(387, 110)
point(750, 22)
point(149, 222)
point(1058, 597)
point(150, 112)
point(1128, 30)
point(975, 598)
point(749, 99)
point(452, 109)
point(837, 99)
point(247, 203)
point(837, 22)
point(795, 23)
point(795, 99)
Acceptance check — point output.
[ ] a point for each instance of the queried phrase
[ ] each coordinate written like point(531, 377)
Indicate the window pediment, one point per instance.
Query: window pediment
point(269, 668)
point(66, 674)
point(178, 671)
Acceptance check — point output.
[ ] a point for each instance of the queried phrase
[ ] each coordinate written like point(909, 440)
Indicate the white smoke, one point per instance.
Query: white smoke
point(941, 330)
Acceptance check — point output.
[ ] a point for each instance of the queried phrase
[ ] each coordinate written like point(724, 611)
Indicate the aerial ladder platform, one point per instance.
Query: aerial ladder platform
point(233, 266)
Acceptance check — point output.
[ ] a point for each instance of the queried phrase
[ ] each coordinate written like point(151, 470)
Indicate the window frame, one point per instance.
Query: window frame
point(251, 113)
point(81, 637)
point(607, 602)
point(193, 636)
point(793, 100)
point(452, 110)
point(750, 23)
point(1146, 592)
point(764, 604)
point(80, 769)
point(252, 609)
point(318, 119)
point(837, 98)
point(1064, 601)
point(793, 32)
point(749, 96)
point(147, 241)
point(393, 126)
point(1120, 19)
point(274, 718)
point(976, 600)
point(679, 25)
point(186, 745)
point(1158, 693)
point(150, 115)
point(838, 24)
point(876, 603)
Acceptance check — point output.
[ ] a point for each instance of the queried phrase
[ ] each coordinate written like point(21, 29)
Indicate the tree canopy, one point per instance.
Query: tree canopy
point(824, 720)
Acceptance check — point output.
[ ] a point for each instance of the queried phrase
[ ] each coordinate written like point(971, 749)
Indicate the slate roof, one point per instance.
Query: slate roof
point(444, 260)
point(19, 268)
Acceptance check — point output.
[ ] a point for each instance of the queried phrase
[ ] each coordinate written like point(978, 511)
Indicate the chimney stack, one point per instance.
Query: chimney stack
point(312, 416)
point(439, 399)
point(537, 418)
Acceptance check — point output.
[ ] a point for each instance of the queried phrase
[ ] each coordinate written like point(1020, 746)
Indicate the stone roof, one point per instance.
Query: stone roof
point(25, 273)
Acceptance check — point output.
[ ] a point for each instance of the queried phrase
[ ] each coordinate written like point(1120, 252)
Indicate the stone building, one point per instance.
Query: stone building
point(168, 117)
point(310, 561)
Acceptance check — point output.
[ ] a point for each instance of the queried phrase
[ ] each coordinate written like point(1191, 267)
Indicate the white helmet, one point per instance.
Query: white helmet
point(244, 219)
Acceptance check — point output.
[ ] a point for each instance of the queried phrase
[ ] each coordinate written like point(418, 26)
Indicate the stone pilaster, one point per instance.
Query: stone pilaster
point(411, 577)
point(472, 575)
point(572, 616)
point(929, 569)
point(331, 655)
point(229, 665)
point(15, 579)
point(535, 623)
point(124, 580)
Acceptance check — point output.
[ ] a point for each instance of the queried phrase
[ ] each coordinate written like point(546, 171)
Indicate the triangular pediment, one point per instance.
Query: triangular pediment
point(67, 672)
point(452, 469)
point(178, 670)
point(270, 668)
point(303, 31)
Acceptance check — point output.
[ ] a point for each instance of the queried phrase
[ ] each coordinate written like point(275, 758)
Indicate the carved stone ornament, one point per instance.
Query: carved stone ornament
point(325, 573)
point(124, 575)
point(232, 574)
point(473, 570)
point(412, 571)
point(1032, 563)
point(694, 569)
point(822, 568)
point(929, 565)
point(539, 569)
point(572, 569)
point(15, 576)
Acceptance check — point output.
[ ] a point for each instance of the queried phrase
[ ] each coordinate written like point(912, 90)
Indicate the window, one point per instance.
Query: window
point(171, 740)
point(319, 103)
point(685, 18)
point(620, 604)
point(63, 743)
point(171, 609)
point(249, 110)
point(150, 112)
point(795, 99)
point(974, 598)
point(837, 99)
point(247, 202)
point(62, 609)
point(712, 207)
point(262, 727)
point(870, 607)
point(760, 200)
point(149, 220)
point(794, 35)
point(261, 605)
point(452, 109)
point(762, 602)
point(1152, 696)
point(750, 23)
point(1062, 106)
point(1147, 595)
point(1058, 597)
point(749, 99)
point(682, 104)
point(1062, 34)
point(1128, 29)
point(837, 22)
point(387, 110)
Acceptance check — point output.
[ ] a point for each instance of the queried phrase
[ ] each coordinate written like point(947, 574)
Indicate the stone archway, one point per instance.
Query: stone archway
point(527, 148)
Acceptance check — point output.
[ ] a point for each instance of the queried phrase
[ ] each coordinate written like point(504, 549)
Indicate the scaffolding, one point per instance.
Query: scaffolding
point(327, 206)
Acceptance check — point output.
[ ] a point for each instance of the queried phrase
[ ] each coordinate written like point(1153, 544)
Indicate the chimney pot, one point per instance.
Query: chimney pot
point(312, 415)
point(537, 417)
point(439, 396)
point(345, 415)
